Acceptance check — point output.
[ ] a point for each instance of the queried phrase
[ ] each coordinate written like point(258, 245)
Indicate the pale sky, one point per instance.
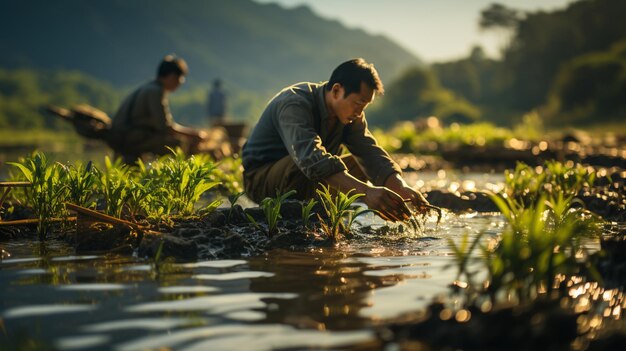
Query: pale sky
point(434, 30)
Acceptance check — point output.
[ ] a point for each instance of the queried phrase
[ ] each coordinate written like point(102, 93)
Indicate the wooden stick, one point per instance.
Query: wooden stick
point(33, 221)
point(103, 217)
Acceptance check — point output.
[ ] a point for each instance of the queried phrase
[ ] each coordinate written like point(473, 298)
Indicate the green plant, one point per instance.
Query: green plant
point(185, 180)
point(339, 212)
point(81, 183)
point(114, 185)
point(229, 173)
point(233, 200)
point(306, 212)
point(541, 247)
point(271, 209)
point(527, 184)
point(48, 191)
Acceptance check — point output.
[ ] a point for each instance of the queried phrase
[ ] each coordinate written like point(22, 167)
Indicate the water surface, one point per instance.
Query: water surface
point(323, 298)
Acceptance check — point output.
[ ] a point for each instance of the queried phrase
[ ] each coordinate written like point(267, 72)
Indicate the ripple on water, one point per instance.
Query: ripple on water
point(80, 342)
point(215, 264)
point(233, 275)
point(139, 324)
point(45, 310)
point(211, 304)
point(93, 287)
point(19, 260)
point(187, 289)
point(243, 336)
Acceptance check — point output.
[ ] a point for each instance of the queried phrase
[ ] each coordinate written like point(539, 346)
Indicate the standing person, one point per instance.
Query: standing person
point(144, 123)
point(296, 144)
point(216, 103)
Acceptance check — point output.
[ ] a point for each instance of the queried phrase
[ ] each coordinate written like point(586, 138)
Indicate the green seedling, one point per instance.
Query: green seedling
point(233, 200)
point(229, 172)
point(48, 191)
point(271, 209)
point(527, 184)
point(114, 186)
point(542, 242)
point(306, 212)
point(186, 179)
point(339, 212)
point(81, 183)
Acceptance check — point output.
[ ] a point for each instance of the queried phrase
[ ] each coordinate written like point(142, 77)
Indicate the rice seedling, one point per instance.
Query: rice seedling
point(339, 211)
point(233, 200)
point(271, 209)
point(186, 179)
point(527, 184)
point(179, 182)
point(229, 173)
point(48, 191)
point(541, 247)
point(81, 182)
point(543, 243)
point(114, 186)
point(306, 212)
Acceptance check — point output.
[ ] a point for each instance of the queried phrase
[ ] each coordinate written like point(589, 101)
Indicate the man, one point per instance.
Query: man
point(296, 144)
point(144, 123)
point(216, 103)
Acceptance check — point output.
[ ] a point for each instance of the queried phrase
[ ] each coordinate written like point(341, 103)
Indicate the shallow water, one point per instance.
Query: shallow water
point(317, 298)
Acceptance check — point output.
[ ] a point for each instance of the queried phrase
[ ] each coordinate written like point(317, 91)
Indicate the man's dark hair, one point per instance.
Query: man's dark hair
point(172, 64)
point(351, 73)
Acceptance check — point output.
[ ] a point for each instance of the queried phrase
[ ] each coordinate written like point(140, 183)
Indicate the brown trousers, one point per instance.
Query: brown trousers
point(284, 175)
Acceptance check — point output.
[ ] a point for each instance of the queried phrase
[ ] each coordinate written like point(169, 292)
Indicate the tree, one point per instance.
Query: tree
point(418, 94)
point(590, 87)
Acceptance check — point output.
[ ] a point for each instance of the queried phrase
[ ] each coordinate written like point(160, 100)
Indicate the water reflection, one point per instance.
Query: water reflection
point(323, 298)
point(331, 289)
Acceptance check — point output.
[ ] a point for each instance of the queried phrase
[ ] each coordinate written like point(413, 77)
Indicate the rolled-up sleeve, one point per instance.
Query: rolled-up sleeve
point(377, 163)
point(304, 144)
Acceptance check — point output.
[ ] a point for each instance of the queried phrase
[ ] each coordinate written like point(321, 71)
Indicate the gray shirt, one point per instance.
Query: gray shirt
point(146, 108)
point(295, 123)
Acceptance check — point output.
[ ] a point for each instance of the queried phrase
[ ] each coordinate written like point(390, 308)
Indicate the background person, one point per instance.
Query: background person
point(144, 123)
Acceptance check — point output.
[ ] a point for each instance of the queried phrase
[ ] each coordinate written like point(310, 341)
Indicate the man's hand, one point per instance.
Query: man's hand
point(389, 205)
point(398, 185)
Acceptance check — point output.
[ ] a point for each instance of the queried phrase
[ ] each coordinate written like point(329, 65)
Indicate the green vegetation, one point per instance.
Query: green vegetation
point(418, 94)
point(25, 92)
point(250, 46)
point(114, 187)
point(528, 185)
point(183, 180)
point(590, 85)
point(404, 137)
point(81, 182)
point(170, 186)
point(340, 214)
point(569, 64)
point(48, 190)
point(306, 212)
point(271, 209)
point(542, 245)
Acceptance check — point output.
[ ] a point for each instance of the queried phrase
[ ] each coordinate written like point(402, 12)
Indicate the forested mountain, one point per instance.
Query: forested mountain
point(251, 46)
point(570, 64)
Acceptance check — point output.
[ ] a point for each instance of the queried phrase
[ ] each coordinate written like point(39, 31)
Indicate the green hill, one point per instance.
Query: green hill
point(251, 46)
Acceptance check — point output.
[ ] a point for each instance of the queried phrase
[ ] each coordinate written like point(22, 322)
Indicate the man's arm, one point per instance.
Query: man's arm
point(389, 204)
point(187, 131)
